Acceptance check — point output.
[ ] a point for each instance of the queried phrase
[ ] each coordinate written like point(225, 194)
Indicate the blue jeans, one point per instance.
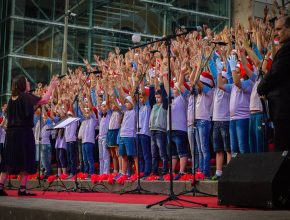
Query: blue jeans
point(178, 141)
point(202, 139)
point(72, 150)
point(145, 156)
point(46, 158)
point(256, 142)
point(221, 136)
point(88, 158)
point(193, 148)
point(158, 148)
point(239, 136)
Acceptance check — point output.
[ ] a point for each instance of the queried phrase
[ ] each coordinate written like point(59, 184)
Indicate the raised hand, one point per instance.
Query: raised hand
point(54, 82)
point(219, 65)
point(232, 60)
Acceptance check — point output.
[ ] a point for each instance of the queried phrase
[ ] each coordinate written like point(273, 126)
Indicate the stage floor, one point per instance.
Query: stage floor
point(88, 206)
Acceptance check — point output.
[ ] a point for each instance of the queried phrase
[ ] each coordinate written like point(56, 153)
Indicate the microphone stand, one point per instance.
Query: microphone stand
point(78, 188)
point(139, 189)
point(194, 189)
point(39, 153)
point(171, 196)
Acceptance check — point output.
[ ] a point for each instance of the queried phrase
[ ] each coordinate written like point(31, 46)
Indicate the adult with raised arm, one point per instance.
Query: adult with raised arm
point(19, 154)
point(275, 86)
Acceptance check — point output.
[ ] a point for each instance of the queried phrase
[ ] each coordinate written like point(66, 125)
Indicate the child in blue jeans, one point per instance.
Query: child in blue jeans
point(127, 146)
point(61, 154)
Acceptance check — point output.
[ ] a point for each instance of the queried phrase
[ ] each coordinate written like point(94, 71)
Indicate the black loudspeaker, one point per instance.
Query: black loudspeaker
point(259, 180)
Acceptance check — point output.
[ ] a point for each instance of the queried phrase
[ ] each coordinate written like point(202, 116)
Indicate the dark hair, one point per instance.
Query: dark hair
point(158, 92)
point(18, 85)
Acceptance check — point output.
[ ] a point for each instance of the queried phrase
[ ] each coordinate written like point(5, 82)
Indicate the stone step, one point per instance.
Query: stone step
point(160, 187)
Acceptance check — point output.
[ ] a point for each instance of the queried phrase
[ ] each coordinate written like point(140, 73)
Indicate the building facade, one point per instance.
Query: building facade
point(31, 31)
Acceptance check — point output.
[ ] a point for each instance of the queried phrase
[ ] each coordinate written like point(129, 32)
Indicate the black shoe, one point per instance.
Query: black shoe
point(25, 193)
point(3, 193)
point(22, 192)
point(179, 175)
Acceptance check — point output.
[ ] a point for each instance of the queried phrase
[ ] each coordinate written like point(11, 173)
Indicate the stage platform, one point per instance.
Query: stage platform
point(107, 206)
point(160, 187)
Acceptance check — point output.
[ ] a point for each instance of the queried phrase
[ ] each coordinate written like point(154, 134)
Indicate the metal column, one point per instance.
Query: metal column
point(64, 51)
point(10, 59)
point(89, 54)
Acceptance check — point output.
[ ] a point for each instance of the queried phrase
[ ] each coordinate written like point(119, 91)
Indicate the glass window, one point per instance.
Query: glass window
point(133, 16)
point(32, 38)
point(4, 36)
point(217, 7)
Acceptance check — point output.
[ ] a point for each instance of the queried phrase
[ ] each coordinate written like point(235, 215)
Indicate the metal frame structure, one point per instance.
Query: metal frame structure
point(102, 19)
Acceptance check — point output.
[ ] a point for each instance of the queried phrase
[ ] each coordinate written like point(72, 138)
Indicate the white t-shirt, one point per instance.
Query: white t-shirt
point(128, 127)
point(204, 104)
point(115, 120)
point(255, 102)
point(221, 106)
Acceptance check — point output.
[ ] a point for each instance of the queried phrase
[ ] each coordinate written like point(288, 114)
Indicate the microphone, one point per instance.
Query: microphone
point(61, 76)
point(272, 20)
point(197, 28)
point(95, 72)
point(154, 51)
point(221, 43)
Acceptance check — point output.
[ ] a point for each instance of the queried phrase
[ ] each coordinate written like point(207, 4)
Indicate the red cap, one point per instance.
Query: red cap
point(207, 78)
point(95, 110)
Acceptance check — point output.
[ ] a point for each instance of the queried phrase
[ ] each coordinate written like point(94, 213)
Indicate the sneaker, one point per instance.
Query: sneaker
point(166, 177)
point(70, 176)
point(215, 178)
point(178, 176)
point(161, 178)
point(121, 180)
point(117, 176)
point(25, 193)
point(152, 177)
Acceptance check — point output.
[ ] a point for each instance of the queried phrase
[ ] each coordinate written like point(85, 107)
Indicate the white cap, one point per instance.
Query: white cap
point(104, 103)
point(224, 74)
point(129, 99)
point(69, 113)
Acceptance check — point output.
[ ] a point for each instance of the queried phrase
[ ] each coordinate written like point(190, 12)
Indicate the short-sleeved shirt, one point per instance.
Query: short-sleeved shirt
point(179, 112)
point(20, 112)
point(204, 104)
point(240, 99)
